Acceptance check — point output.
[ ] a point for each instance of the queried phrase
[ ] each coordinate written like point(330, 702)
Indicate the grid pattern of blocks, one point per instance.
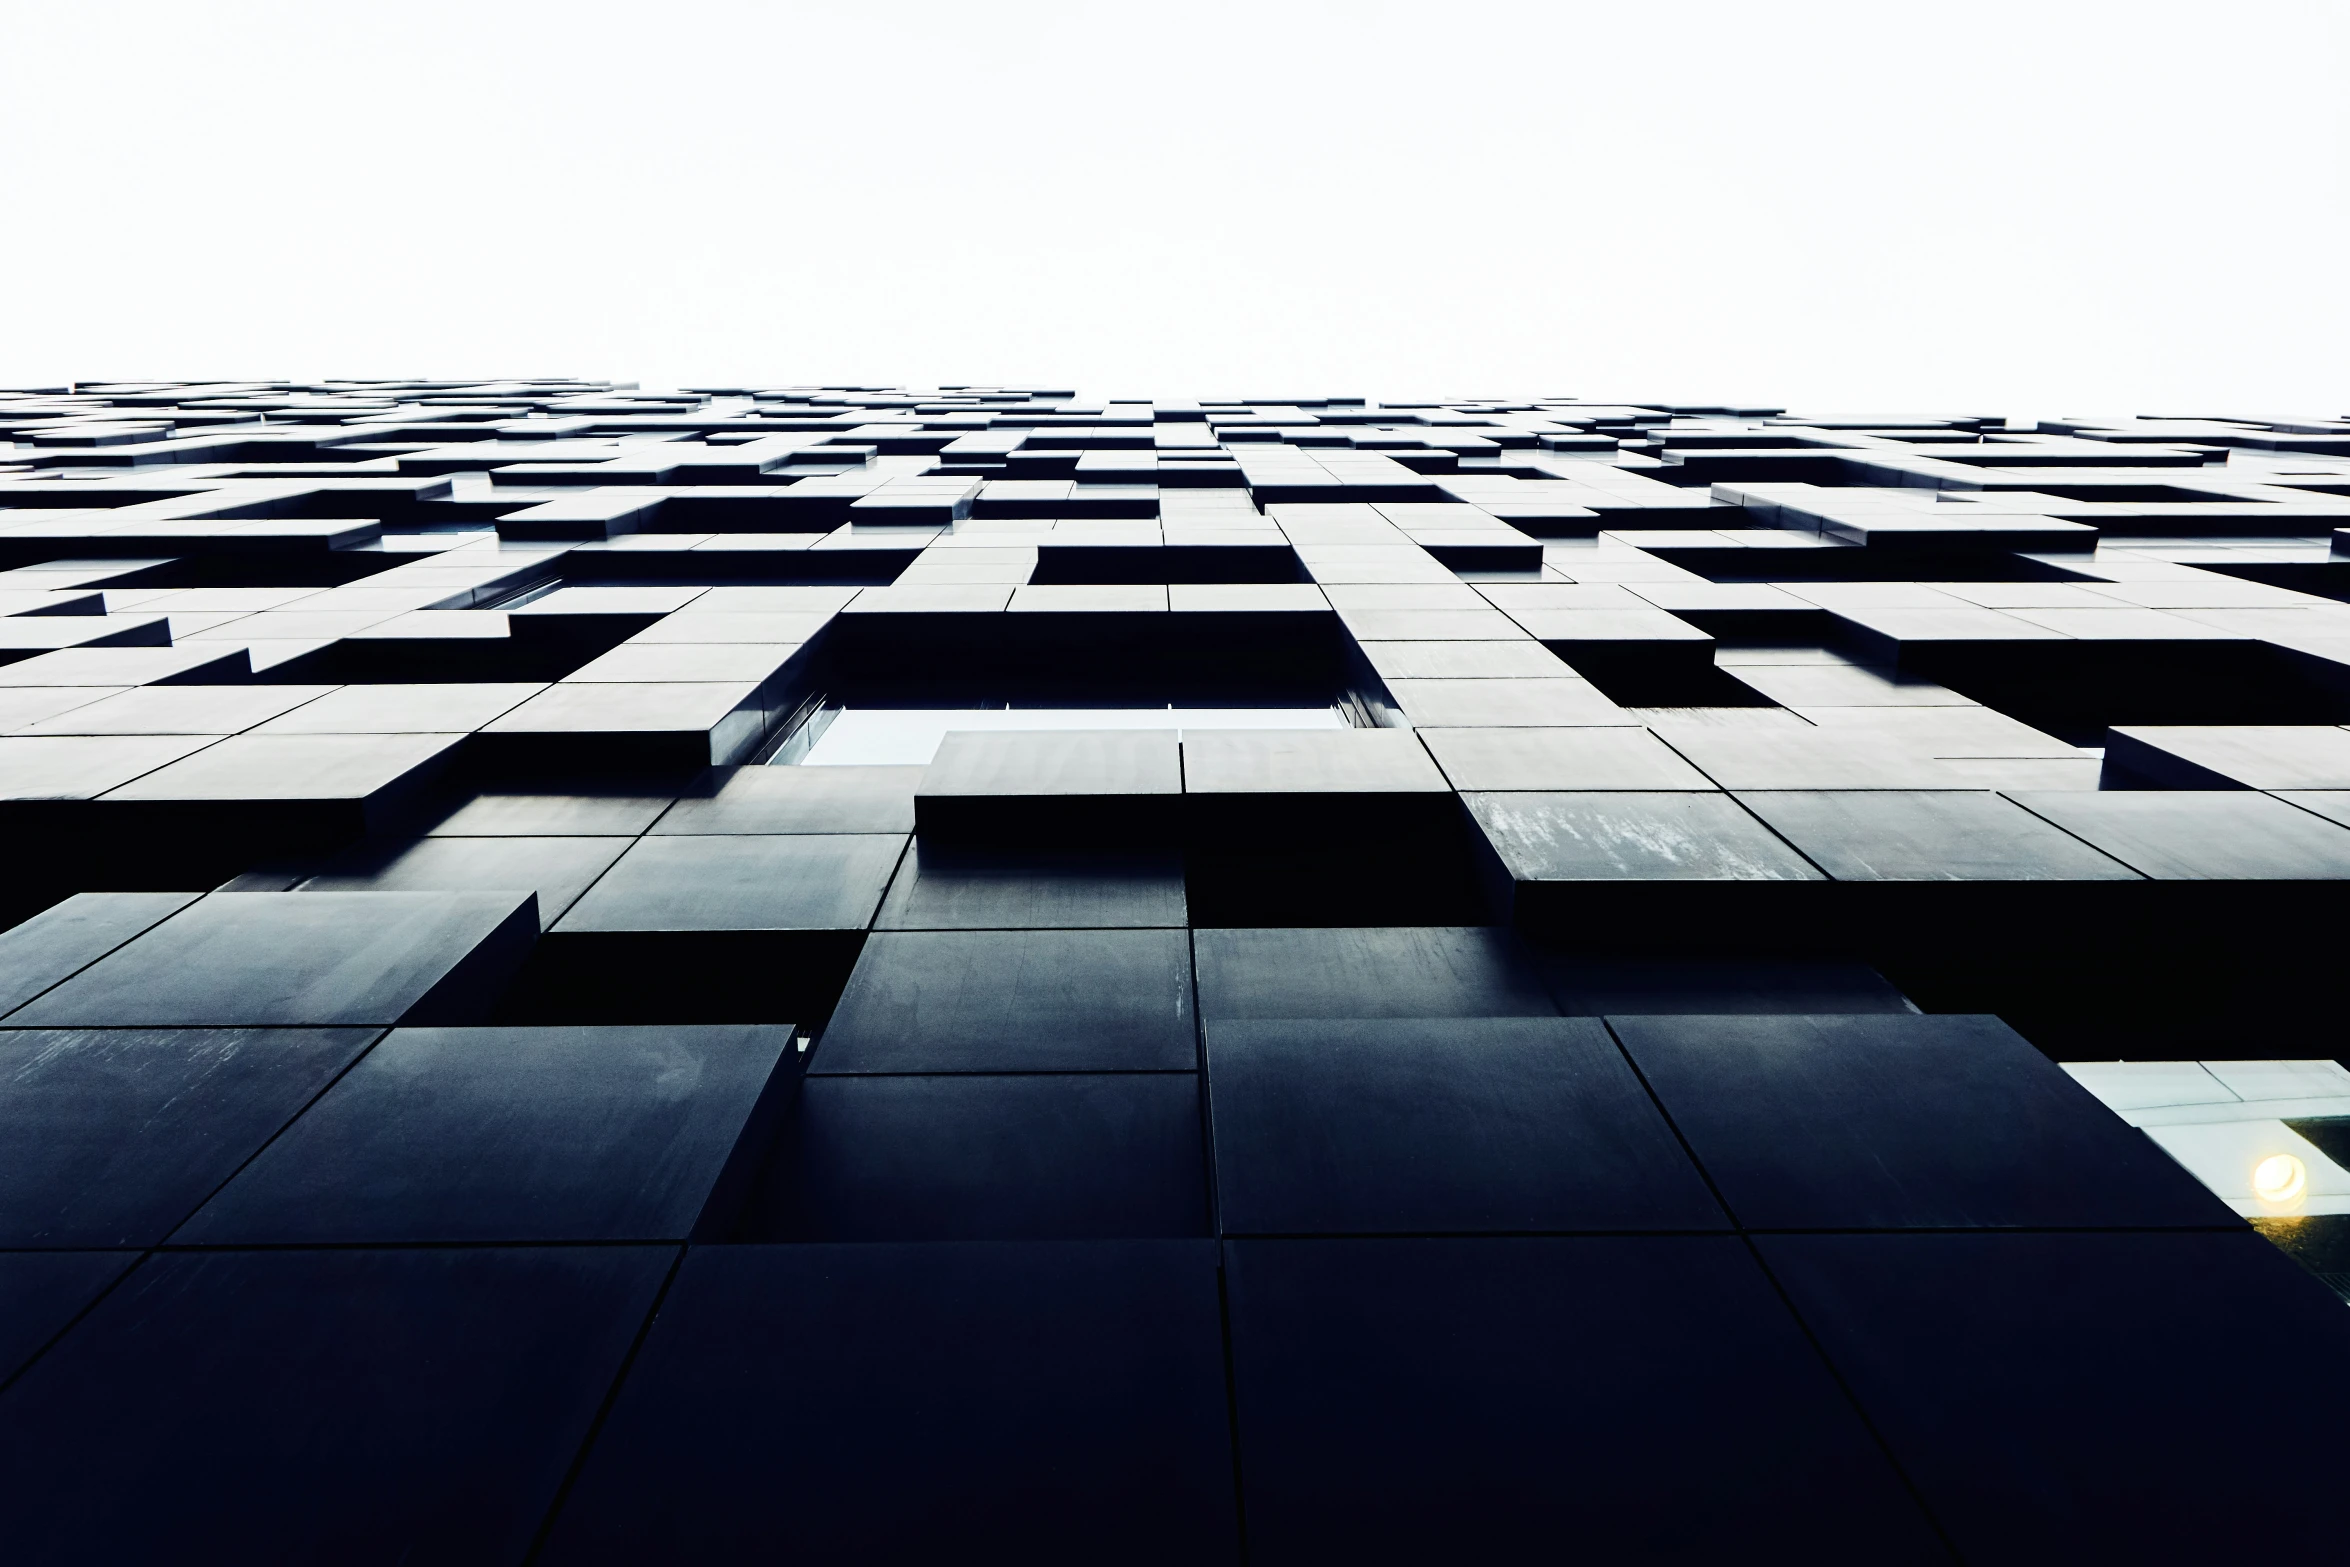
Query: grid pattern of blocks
point(481, 1084)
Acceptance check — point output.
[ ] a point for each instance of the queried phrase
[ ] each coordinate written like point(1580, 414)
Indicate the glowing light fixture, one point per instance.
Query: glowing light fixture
point(2280, 1178)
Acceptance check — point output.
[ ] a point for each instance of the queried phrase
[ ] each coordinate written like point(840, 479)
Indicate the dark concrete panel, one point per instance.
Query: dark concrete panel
point(318, 959)
point(1919, 1122)
point(1038, 1403)
point(347, 1406)
point(1628, 1399)
point(119, 1134)
point(2062, 1397)
point(67, 937)
point(1033, 1157)
point(1434, 1126)
point(1407, 971)
point(520, 1134)
point(1016, 1001)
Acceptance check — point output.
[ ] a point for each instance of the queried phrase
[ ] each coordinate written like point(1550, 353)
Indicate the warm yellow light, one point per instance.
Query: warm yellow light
point(2279, 1178)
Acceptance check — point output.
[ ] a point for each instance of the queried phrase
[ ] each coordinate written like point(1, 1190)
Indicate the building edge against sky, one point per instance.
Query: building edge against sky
point(604, 974)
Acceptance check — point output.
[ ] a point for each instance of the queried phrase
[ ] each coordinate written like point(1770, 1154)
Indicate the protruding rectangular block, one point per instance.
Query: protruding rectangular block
point(317, 959)
point(1064, 787)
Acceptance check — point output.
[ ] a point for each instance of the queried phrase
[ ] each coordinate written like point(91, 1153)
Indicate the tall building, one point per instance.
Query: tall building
point(852, 974)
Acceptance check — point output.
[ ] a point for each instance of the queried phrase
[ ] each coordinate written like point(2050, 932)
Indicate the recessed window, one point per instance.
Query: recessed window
point(2271, 1139)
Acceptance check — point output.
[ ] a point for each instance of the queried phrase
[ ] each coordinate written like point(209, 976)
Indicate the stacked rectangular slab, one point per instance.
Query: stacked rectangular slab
point(480, 1084)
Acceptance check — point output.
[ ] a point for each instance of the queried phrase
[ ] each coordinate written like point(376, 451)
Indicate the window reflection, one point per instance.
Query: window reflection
point(2271, 1139)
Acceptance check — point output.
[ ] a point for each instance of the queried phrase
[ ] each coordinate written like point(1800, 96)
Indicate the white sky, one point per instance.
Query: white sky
point(2035, 208)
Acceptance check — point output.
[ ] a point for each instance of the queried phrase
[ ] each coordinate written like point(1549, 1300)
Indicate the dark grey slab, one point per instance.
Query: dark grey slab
point(1033, 1157)
point(657, 663)
point(82, 767)
point(1521, 659)
point(1061, 786)
point(520, 1134)
point(557, 869)
point(1031, 1403)
point(1393, 971)
point(407, 708)
point(1475, 702)
point(1016, 1001)
point(1269, 764)
point(67, 937)
point(41, 1292)
point(1055, 762)
point(317, 959)
point(346, 1406)
point(179, 710)
point(813, 881)
point(1647, 874)
point(1443, 1125)
point(797, 800)
point(1604, 1398)
point(2232, 756)
point(2067, 1398)
point(1027, 889)
point(1785, 756)
point(1556, 759)
point(498, 813)
point(2332, 804)
point(375, 773)
point(188, 664)
point(635, 725)
point(21, 707)
point(119, 1134)
point(2223, 835)
point(1919, 1122)
point(1929, 835)
point(1603, 987)
point(1608, 836)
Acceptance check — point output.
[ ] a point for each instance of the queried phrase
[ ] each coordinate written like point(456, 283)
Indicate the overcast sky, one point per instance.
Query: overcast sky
point(2046, 207)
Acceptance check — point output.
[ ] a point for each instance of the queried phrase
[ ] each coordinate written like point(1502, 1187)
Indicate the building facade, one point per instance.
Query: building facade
point(849, 973)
